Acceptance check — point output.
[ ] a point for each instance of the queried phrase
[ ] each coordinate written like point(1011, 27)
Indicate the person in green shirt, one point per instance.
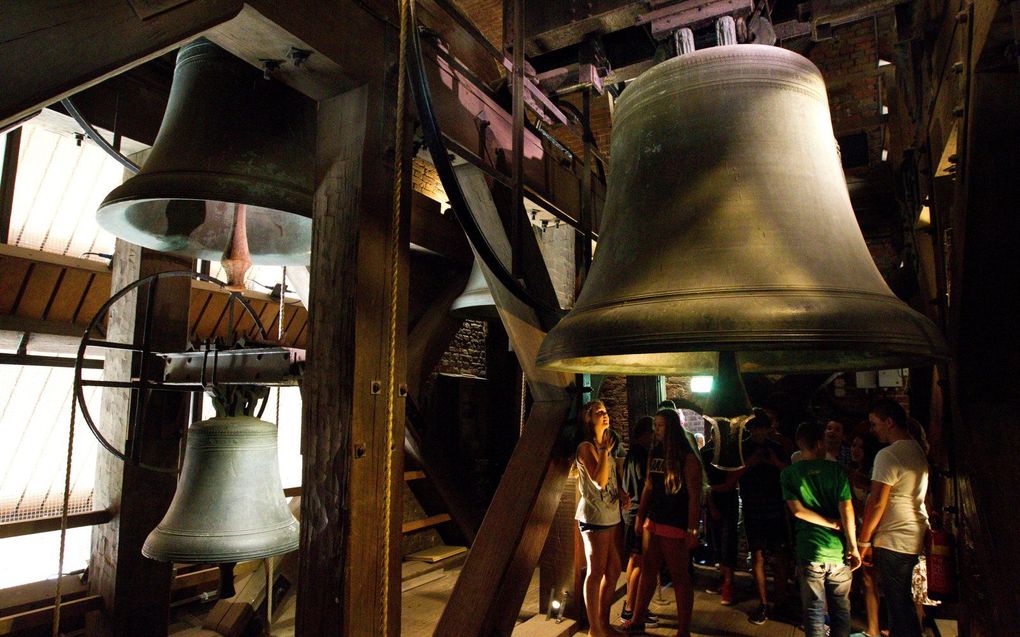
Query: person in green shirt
point(817, 492)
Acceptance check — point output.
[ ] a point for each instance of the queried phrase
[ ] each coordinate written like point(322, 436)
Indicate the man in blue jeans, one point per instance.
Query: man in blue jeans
point(817, 492)
point(895, 515)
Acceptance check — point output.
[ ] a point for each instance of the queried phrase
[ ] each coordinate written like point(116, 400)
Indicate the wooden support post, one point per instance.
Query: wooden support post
point(348, 583)
point(644, 393)
point(488, 595)
point(136, 590)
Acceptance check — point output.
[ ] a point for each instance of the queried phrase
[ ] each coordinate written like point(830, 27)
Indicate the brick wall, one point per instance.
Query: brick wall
point(418, 540)
point(849, 63)
point(425, 179)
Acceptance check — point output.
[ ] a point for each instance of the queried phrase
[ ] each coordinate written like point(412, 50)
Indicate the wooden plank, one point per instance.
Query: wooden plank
point(542, 626)
point(15, 271)
point(436, 553)
point(425, 523)
point(37, 291)
point(8, 175)
point(69, 294)
point(71, 614)
point(75, 45)
point(45, 525)
point(136, 590)
point(413, 475)
point(347, 580)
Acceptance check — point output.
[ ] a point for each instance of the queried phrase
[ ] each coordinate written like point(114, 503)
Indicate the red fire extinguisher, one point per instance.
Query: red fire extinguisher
point(940, 563)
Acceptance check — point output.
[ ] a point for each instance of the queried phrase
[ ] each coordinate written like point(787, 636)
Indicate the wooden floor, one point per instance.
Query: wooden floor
point(423, 604)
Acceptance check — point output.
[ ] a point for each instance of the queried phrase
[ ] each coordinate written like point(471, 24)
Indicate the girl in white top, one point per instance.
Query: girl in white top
point(598, 515)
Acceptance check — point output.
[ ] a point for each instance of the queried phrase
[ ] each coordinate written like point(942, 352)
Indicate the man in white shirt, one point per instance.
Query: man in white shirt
point(895, 515)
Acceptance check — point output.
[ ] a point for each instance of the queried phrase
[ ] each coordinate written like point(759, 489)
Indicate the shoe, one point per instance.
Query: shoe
point(727, 595)
point(651, 619)
point(631, 627)
point(714, 590)
point(760, 616)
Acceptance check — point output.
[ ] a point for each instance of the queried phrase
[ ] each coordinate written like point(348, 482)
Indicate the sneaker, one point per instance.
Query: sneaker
point(651, 619)
point(631, 627)
point(727, 595)
point(714, 590)
point(760, 616)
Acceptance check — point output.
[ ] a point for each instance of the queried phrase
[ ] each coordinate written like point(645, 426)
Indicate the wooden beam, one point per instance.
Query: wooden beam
point(425, 523)
point(488, 595)
point(8, 174)
point(52, 49)
point(71, 614)
point(135, 590)
point(348, 580)
point(45, 525)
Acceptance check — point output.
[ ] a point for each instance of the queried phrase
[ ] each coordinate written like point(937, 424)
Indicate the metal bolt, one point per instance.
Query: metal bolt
point(957, 67)
point(359, 450)
point(298, 56)
point(958, 111)
point(269, 67)
point(376, 387)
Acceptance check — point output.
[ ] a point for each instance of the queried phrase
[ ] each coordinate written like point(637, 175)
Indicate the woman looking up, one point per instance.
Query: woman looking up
point(668, 517)
point(598, 515)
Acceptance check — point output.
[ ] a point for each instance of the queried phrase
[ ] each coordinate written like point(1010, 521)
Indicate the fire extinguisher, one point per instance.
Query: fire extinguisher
point(940, 564)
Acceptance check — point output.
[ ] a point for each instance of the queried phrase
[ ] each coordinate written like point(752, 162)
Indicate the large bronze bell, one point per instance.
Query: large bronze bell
point(476, 301)
point(228, 137)
point(728, 227)
point(229, 505)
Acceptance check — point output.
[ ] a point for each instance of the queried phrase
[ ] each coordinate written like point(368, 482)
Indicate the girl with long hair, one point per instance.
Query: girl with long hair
point(668, 517)
point(598, 515)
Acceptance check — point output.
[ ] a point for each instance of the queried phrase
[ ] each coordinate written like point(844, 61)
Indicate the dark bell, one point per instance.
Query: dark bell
point(228, 137)
point(728, 227)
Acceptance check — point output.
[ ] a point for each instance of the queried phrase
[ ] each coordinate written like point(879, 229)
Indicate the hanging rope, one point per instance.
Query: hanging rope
point(406, 23)
point(63, 521)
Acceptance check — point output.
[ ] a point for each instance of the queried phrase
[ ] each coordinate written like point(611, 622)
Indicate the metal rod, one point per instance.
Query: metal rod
point(97, 138)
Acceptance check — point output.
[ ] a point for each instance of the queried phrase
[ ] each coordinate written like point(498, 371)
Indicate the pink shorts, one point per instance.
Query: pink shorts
point(665, 530)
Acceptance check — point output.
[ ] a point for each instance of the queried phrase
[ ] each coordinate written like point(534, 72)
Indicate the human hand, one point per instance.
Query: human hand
point(866, 556)
point(625, 499)
point(854, 559)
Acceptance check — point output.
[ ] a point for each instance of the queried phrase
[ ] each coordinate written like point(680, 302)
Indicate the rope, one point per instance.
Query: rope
point(406, 16)
point(63, 521)
point(524, 398)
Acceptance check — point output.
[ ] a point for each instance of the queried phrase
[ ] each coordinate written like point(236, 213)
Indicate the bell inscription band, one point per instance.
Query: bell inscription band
point(728, 227)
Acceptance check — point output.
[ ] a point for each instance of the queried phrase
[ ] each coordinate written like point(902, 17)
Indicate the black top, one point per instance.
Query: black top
point(666, 508)
point(634, 467)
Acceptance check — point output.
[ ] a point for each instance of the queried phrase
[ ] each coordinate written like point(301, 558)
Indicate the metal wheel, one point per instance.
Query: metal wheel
point(142, 385)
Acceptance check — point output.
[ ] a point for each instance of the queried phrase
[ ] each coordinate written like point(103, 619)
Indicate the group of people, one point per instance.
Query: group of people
point(850, 505)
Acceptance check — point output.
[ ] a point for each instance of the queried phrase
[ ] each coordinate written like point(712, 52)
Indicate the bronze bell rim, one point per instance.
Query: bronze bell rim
point(154, 551)
point(634, 340)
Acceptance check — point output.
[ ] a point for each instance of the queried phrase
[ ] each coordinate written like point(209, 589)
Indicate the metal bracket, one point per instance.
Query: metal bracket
point(265, 366)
